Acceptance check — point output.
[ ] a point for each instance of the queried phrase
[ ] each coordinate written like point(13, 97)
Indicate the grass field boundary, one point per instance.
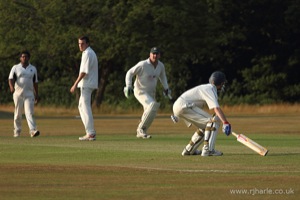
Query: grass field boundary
point(200, 170)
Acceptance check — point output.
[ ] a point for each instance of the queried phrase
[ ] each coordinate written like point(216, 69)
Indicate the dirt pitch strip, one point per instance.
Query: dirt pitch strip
point(117, 165)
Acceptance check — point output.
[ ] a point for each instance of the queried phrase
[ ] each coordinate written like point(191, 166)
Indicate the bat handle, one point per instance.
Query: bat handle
point(234, 134)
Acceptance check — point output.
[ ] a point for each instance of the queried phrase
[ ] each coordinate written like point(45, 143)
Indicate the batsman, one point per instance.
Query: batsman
point(189, 108)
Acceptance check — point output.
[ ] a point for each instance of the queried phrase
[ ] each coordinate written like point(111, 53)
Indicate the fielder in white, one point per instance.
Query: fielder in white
point(87, 81)
point(189, 107)
point(147, 73)
point(23, 83)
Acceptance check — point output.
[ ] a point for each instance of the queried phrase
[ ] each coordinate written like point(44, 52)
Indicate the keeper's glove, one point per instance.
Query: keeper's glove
point(128, 91)
point(226, 128)
point(167, 93)
point(174, 118)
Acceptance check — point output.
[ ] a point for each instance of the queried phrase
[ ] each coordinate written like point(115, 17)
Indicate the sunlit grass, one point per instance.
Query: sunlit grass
point(117, 165)
point(285, 109)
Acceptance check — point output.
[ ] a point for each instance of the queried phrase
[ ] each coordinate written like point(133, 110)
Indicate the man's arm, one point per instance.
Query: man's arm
point(128, 89)
point(226, 125)
point(220, 114)
point(11, 83)
point(133, 71)
point(163, 79)
point(80, 77)
point(36, 92)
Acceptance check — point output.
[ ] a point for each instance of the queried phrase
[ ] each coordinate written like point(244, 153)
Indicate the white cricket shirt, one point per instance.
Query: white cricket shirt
point(206, 93)
point(147, 76)
point(24, 79)
point(89, 65)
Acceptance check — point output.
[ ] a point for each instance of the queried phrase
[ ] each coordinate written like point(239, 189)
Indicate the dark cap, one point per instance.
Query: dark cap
point(154, 50)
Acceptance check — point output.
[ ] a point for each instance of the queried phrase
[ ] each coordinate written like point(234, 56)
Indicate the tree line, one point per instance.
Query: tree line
point(255, 43)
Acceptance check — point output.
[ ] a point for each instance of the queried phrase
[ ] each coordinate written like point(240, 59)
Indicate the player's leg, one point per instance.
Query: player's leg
point(19, 105)
point(150, 107)
point(29, 114)
point(195, 142)
point(195, 116)
point(199, 118)
point(213, 138)
point(210, 136)
point(85, 110)
point(147, 119)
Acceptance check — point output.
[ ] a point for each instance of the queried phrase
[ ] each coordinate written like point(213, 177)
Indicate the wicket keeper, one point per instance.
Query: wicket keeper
point(147, 73)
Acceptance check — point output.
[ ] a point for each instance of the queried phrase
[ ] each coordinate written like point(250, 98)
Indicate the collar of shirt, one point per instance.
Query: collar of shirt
point(87, 49)
point(149, 62)
point(24, 65)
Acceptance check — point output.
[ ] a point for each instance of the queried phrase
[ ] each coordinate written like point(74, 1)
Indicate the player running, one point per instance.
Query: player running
point(189, 107)
point(147, 73)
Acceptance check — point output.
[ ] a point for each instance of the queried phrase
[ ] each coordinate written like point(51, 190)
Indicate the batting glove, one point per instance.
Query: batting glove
point(226, 128)
point(128, 91)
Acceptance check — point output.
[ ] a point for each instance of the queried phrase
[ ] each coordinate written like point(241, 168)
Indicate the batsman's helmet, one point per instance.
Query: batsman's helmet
point(217, 78)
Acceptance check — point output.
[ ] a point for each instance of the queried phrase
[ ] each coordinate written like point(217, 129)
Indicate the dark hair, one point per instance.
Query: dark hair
point(85, 38)
point(25, 52)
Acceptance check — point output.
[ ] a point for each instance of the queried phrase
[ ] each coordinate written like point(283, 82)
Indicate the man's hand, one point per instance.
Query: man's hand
point(73, 88)
point(226, 128)
point(36, 100)
point(128, 91)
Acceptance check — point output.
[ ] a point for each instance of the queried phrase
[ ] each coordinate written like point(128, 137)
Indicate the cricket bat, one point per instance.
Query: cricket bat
point(251, 144)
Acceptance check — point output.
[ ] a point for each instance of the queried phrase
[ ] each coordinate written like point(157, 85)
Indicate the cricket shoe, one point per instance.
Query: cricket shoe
point(141, 133)
point(187, 153)
point(35, 133)
point(205, 151)
point(16, 135)
point(216, 153)
point(88, 138)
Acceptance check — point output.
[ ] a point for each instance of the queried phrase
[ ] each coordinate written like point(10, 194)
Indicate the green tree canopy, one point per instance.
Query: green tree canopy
point(255, 43)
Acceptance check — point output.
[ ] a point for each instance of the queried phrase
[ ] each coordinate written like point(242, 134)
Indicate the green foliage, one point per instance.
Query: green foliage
point(260, 84)
point(196, 38)
point(57, 93)
point(291, 93)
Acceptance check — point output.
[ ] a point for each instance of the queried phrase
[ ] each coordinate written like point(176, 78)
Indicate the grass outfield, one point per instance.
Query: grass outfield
point(117, 165)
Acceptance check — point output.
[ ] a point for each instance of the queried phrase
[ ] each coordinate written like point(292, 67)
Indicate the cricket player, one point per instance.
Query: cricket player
point(23, 84)
point(87, 81)
point(147, 72)
point(189, 107)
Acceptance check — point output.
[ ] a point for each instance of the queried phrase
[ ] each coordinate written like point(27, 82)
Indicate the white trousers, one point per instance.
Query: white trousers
point(145, 99)
point(26, 104)
point(85, 110)
point(191, 114)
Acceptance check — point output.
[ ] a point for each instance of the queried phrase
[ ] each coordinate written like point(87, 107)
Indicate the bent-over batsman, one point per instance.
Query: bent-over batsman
point(189, 107)
point(147, 72)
